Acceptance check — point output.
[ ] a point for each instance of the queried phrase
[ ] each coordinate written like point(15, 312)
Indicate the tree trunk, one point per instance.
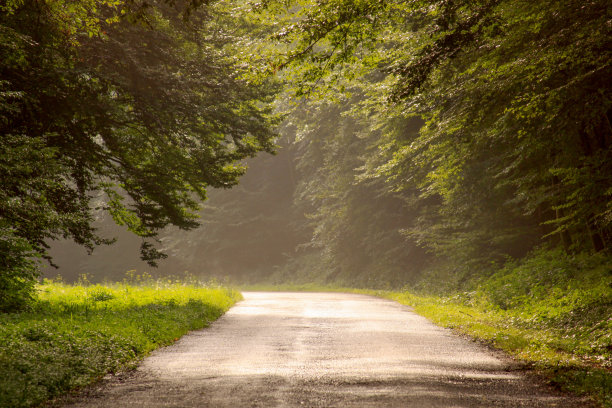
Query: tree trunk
point(596, 238)
point(566, 237)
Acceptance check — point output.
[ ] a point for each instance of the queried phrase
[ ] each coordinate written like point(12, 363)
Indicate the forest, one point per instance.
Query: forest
point(420, 143)
point(453, 148)
point(424, 144)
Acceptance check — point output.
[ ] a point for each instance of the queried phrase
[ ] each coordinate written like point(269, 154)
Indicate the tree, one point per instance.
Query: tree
point(128, 106)
point(516, 104)
point(356, 221)
point(249, 231)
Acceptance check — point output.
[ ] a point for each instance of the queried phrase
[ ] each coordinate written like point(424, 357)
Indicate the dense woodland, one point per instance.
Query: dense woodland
point(421, 143)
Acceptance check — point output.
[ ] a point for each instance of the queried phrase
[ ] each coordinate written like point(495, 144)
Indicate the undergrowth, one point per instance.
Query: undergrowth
point(552, 311)
point(76, 334)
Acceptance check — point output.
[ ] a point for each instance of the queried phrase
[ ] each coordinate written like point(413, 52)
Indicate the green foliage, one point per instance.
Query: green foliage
point(551, 277)
point(354, 221)
point(550, 310)
point(18, 271)
point(119, 106)
point(513, 101)
point(434, 140)
point(76, 334)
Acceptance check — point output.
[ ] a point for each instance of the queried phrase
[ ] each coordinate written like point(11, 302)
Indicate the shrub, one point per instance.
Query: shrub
point(18, 272)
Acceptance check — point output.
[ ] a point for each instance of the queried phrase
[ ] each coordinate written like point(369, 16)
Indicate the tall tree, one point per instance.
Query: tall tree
point(131, 106)
point(516, 103)
point(356, 220)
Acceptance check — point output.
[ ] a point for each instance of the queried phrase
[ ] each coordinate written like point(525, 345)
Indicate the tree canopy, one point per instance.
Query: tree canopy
point(515, 100)
point(133, 107)
point(459, 133)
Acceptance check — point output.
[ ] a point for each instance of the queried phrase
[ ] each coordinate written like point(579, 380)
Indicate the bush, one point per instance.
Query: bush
point(18, 272)
point(552, 276)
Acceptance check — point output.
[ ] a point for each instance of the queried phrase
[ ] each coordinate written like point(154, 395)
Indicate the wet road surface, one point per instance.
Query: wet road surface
point(323, 350)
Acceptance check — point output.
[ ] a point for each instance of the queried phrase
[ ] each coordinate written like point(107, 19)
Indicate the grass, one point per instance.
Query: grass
point(575, 358)
point(74, 335)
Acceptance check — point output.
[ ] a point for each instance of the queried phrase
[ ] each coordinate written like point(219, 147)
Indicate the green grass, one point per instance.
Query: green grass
point(74, 335)
point(572, 357)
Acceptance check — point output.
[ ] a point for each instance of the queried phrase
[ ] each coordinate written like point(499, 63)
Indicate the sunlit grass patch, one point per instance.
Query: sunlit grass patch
point(552, 311)
point(78, 333)
point(569, 357)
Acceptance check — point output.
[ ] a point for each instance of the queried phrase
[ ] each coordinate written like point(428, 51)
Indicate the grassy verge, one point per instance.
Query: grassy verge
point(76, 334)
point(575, 359)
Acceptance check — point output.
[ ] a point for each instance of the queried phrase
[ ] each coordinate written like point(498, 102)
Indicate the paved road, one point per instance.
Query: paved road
point(323, 350)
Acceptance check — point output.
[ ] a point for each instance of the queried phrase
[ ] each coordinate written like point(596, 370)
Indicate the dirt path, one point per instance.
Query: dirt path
point(323, 350)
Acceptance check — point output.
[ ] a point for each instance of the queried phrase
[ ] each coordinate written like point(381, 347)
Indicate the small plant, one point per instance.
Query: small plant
point(100, 294)
point(132, 277)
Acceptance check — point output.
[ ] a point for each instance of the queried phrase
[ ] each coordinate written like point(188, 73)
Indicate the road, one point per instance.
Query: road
point(323, 350)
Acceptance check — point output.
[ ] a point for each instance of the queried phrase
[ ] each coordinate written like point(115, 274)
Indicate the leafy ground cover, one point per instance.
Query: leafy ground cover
point(75, 334)
point(552, 311)
point(576, 358)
